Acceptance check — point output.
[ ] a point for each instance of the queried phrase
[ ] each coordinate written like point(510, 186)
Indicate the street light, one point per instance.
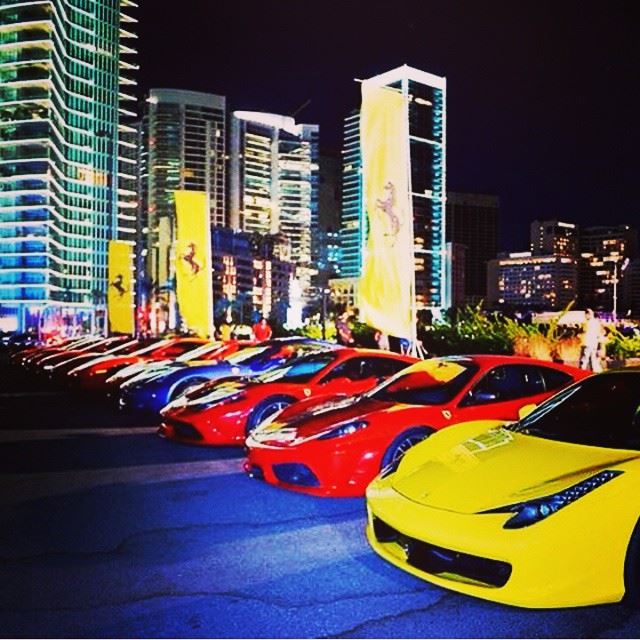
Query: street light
point(616, 278)
point(323, 312)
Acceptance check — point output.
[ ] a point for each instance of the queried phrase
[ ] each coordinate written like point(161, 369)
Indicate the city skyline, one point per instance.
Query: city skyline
point(540, 108)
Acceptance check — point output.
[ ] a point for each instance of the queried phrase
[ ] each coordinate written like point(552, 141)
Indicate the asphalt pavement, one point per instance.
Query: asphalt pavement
point(106, 530)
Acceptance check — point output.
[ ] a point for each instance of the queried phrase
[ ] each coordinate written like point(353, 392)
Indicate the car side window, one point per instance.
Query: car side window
point(351, 369)
point(506, 382)
point(554, 379)
point(385, 367)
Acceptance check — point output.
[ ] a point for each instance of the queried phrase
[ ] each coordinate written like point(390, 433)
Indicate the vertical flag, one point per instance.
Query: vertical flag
point(120, 290)
point(193, 262)
point(386, 285)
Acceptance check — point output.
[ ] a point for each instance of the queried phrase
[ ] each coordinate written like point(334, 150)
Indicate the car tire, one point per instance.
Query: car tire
point(265, 408)
point(403, 442)
point(631, 596)
point(183, 385)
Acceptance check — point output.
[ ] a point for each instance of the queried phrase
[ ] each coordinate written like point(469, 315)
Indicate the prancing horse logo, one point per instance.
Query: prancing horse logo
point(190, 259)
point(118, 285)
point(386, 205)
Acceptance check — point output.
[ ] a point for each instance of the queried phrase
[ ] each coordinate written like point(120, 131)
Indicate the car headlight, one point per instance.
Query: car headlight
point(390, 468)
point(532, 511)
point(344, 429)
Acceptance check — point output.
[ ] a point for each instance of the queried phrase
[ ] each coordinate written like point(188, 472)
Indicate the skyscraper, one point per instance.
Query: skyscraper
point(554, 237)
point(353, 223)
point(61, 128)
point(182, 146)
point(605, 253)
point(273, 183)
point(426, 106)
point(472, 221)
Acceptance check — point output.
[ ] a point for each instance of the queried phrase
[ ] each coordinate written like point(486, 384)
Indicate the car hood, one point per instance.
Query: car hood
point(321, 417)
point(500, 467)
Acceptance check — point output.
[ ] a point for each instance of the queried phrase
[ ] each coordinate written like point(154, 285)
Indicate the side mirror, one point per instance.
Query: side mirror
point(524, 411)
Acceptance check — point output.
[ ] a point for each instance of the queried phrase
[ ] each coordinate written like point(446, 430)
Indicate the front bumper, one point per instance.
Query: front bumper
point(539, 566)
point(339, 470)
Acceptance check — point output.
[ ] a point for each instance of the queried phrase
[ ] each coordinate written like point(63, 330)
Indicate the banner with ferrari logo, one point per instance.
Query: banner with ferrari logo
point(386, 285)
point(120, 289)
point(193, 262)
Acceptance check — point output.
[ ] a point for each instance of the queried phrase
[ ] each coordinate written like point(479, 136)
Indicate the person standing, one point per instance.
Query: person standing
point(344, 335)
point(591, 338)
point(261, 330)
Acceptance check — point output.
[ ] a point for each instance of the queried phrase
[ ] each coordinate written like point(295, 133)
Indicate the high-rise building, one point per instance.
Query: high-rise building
point(249, 276)
point(325, 237)
point(472, 221)
point(353, 220)
point(604, 255)
point(63, 192)
point(182, 146)
point(273, 182)
point(426, 106)
point(554, 237)
point(522, 280)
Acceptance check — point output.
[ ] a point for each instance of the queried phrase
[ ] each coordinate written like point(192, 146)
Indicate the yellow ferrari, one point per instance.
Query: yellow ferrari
point(543, 512)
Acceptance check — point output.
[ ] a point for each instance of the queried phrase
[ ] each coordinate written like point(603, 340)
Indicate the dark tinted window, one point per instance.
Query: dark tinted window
point(603, 410)
point(299, 370)
point(507, 382)
point(361, 368)
point(554, 379)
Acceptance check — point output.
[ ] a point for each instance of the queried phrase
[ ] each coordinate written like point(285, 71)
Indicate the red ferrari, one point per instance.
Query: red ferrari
point(337, 448)
point(225, 411)
point(92, 376)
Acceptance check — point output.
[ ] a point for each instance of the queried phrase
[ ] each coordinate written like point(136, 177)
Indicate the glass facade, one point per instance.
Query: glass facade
point(353, 222)
point(274, 182)
point(182, 146)
point(426, 99)
point(63, 191)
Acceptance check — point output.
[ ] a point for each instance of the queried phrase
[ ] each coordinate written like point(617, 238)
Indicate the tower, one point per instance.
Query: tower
point(64, 193)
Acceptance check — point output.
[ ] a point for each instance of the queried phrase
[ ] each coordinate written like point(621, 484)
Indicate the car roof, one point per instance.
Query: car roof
point(489, 359)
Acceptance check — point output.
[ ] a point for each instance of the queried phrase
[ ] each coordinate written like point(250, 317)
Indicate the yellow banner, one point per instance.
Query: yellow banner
point(193, 262)
point(120, 290)
point(386, 284)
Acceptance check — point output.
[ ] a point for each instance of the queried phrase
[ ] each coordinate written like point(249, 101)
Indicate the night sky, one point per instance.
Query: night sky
point(543, 97)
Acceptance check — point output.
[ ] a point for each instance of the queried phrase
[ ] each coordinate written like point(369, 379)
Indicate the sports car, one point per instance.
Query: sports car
point(152, 394)
point(338, 448)
point(149, 369)
point(92, 376)
point(537, 513)
point(138, 375)
point(58, 370)
point(224, 412)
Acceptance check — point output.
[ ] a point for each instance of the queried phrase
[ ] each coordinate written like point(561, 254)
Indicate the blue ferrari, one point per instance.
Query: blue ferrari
point(150, 391)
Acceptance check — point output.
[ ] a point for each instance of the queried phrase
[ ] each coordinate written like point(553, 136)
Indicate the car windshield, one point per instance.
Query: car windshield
point(602, 411)
point(246, 355)
point(432, 381)
point(299, 370)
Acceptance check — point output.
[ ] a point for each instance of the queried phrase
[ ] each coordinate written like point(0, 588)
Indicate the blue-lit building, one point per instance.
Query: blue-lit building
point(426, 100)
point(67, 167)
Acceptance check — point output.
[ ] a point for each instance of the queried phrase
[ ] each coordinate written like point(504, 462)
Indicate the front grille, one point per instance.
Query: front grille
point(295, 473)
point(438, 560)
point(184, 429)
